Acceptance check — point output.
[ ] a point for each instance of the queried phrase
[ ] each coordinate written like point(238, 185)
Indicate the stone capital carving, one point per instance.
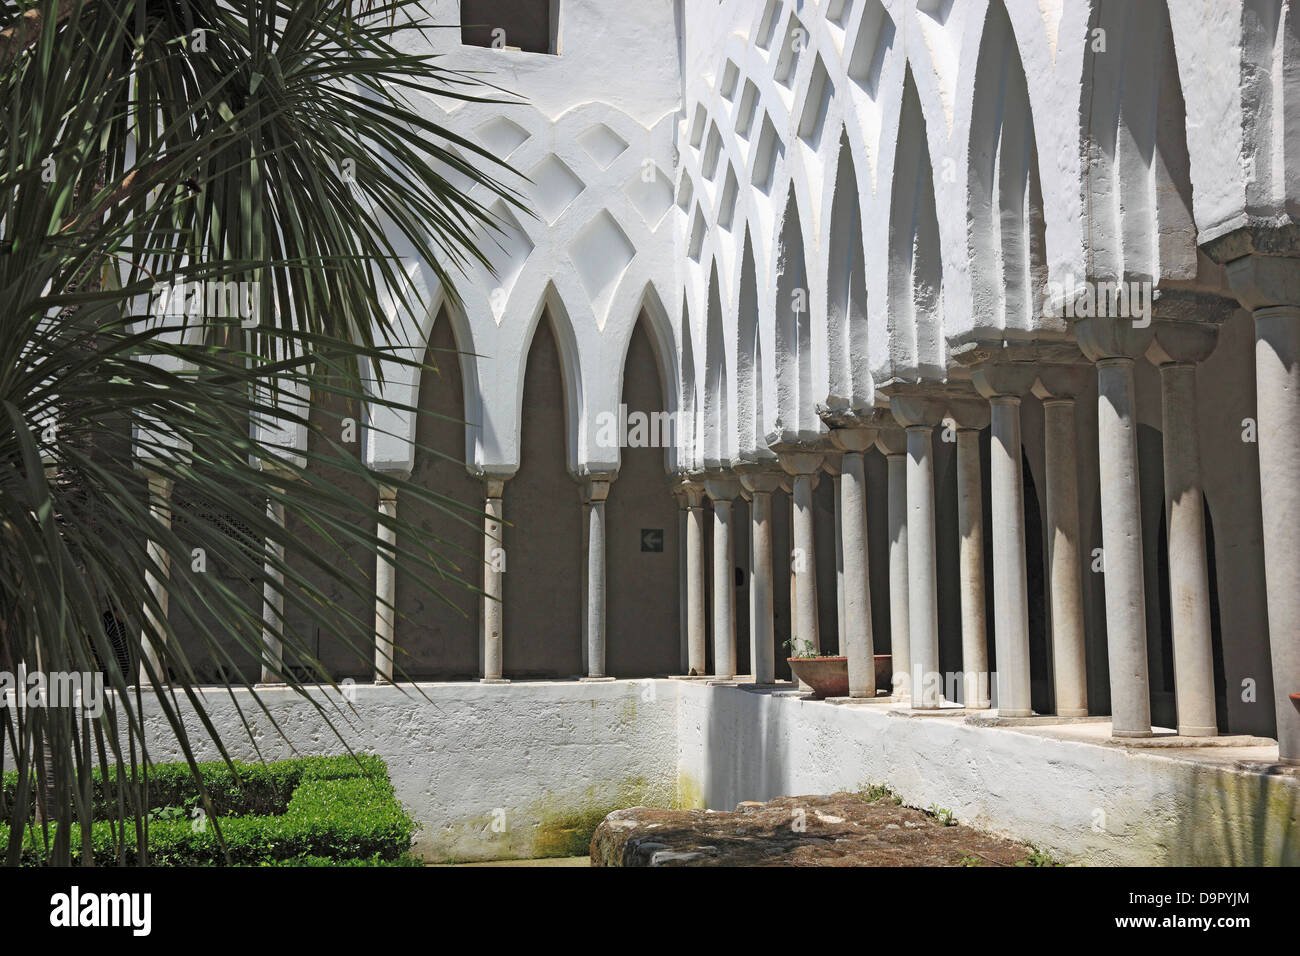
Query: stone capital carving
point(721, 487)
point(1260, 281)
point(969, 413)
point(911, 411)
point(891, 440)
point(1004, 379)
point(1058, 382)
point(1104, 337)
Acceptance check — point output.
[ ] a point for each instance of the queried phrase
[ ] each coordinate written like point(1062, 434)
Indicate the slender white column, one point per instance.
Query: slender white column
point(762, 624)
point(160, 493)
point(594, 492)
point(892, 444)
point(385, 585)
point(1069, 658)
point(857, 641)
point(1121, 528)
point(273, 601)
point(802, 467)
point(682, 627)
point(1189, 574)
point(1010, 590)
point(1277, 384)
point(970, 520)
point(494, 567)
point(832, 468)
point(722, 492)
point(696, 623)
point(922, 584)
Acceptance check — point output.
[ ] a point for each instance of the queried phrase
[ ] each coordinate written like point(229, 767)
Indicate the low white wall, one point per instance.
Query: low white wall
point(1083, 802)
point(489, 771)
point(546, 761)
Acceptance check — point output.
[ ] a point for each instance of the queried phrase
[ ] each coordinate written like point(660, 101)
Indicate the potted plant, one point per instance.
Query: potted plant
point(825, 676)
point(1295, 701)
point(828, 676)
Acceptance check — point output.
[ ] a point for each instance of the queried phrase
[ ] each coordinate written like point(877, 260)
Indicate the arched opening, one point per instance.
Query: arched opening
point(846, 302)
point(793, 332)
point(437, 617)
point(543, 535)
point(641, 533)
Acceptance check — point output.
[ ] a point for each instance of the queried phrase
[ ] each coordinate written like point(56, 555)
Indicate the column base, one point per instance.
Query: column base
point(1132, 734)
point(383, 681)
point(494, 680)
point(594, 680)
point(265, 684)
point(1003, 712)
point(1073, 712)
point(1198, 731)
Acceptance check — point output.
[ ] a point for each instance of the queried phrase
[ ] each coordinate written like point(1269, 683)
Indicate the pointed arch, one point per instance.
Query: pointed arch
point(850, 385)
point(1137, 188)
point(750, 424)
point(795, 416)
point(915, 263)
point(1006, 236)
point(551, 306)
point(658, 327)
point(690, 415)
point(717, 445)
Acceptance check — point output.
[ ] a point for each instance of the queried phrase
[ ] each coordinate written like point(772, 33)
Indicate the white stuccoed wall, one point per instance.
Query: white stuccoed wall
point(550, 759)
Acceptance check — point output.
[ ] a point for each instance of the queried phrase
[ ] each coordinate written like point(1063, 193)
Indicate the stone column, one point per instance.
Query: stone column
point(1179, 347)
point(385, 585)
point(1057, 388)
point(970, 417)
point(1003, 385)
point(682, 505)
point(273, 600)
point(855, 614)
point(1277, 386)
point(1113, 344)
point(696, 624)
point(831, 465)
point(1269, 287)
point(760, 482)
point(160, 495)
point(722, 491)
point(918, 415)
point(595, 490)
point(802, 466)
point(494, 567)
point(892, 443)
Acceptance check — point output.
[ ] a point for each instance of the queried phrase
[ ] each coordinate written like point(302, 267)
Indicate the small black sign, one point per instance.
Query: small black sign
point(652, 539)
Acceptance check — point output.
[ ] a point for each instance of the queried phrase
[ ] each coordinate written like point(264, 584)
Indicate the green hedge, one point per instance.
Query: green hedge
point(306, 811)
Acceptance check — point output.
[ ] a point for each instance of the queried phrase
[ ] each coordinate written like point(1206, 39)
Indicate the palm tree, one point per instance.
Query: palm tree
point(152, 153)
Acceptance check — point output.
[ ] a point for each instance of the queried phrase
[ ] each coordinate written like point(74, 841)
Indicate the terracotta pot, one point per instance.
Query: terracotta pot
point(827, 676)
point(884, 672)
point(1295, 701)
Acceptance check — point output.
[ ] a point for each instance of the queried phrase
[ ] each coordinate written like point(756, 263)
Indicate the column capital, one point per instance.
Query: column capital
point(760, 479)
point(691, 490)
point(1004, 379)
point(891, 441)
point(1106, 337)
point(595, 487)
point(970, 414)
point(1062, 382)
point(911, 411)
point(799, 459)
point(857, 438)
point(495, 485)
point(831, 464)
point(721, 487)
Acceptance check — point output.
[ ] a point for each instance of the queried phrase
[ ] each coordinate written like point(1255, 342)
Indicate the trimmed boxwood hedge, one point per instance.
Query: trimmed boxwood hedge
point(309, 811)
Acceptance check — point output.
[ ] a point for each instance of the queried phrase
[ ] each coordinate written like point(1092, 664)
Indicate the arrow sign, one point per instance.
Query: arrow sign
point(652, 539)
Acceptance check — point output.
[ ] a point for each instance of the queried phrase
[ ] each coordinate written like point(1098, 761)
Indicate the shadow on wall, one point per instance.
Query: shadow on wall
point(641, 538)
point(542, 613)
point(437, 619)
